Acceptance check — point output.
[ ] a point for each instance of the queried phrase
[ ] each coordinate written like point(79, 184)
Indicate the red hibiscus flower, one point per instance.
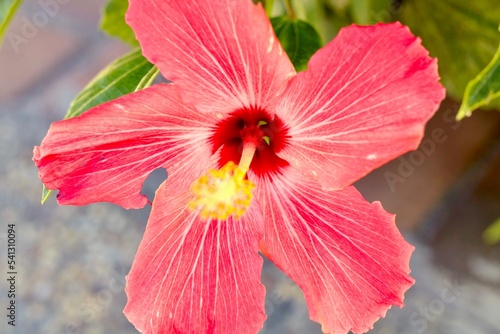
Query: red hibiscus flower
point(260, 158)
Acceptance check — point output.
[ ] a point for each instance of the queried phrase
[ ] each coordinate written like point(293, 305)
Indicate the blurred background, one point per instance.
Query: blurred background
point(72, 260)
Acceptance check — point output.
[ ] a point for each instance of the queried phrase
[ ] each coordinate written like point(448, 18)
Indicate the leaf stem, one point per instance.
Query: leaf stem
point(289, 9)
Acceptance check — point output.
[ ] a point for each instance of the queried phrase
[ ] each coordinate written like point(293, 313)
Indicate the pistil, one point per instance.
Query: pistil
point(247, 156)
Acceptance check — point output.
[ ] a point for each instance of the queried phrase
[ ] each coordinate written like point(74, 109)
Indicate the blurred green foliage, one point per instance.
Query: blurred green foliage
point(492, 234)
point(8, 9)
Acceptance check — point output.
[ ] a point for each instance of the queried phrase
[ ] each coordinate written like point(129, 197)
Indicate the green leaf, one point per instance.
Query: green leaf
point(148, 79)
point(492, 234)
point(45, 194)
point(8, 9)
point(462, 34)
point(123, 76)
point(113, 22)
point(299, 39)
point(127, 74)
point(482, 89)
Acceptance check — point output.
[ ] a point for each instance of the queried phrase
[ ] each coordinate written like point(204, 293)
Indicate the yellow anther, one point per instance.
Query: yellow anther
point(222, 193)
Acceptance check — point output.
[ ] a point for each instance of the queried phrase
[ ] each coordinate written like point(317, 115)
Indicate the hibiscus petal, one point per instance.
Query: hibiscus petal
point(363, 101)
point(106, 154)
point(224, 53)
point(196, 276)
point(346, 254)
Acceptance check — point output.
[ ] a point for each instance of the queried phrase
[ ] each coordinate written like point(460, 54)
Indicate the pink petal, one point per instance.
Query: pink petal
point(224, 53)
point(363, 101)
point(106, 154)
point(195, 276)
point(346, 254)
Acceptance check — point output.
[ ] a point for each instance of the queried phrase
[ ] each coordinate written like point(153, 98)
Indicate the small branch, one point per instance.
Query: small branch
point(289, 9)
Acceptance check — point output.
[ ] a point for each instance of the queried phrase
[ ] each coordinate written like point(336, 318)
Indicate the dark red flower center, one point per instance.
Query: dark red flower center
point(242, 126)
